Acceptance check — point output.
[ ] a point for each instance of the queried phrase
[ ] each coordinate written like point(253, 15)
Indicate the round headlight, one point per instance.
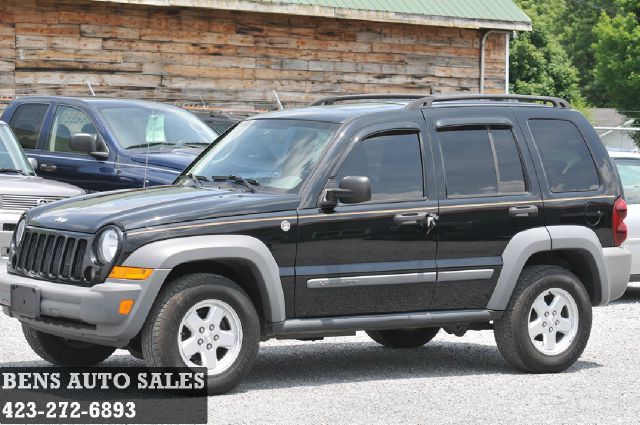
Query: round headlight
point(108, 244)
point(20, 232)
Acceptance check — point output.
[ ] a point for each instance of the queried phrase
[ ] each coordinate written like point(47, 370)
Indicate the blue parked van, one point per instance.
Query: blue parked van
point(106, 144)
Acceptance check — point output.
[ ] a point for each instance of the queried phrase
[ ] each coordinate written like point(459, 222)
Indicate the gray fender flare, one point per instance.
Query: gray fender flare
point(524, 244)
point(168, 254)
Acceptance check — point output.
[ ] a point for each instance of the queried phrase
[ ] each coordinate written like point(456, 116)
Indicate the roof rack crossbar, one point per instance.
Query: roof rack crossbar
point(385, 96)
point(428, 101)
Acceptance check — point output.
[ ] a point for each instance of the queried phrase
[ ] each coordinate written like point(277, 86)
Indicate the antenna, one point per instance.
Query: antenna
point(146, 157)
point(90, 88)
point(275, 93)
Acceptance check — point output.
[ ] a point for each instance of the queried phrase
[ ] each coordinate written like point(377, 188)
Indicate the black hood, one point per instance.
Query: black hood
point(136, 208)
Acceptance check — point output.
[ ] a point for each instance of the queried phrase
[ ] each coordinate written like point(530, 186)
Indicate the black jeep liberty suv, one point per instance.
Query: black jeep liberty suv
point(394, 214)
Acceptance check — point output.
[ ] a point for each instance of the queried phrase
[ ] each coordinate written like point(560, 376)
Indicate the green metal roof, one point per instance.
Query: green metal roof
point(491, 10)
point(477, 14)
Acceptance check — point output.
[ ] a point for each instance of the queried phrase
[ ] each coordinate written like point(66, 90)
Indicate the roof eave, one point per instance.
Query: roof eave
point(338, 13)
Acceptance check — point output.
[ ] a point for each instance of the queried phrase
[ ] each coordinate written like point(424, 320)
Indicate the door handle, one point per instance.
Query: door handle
point(420, 218)
point(524, 211)
point(48, 167)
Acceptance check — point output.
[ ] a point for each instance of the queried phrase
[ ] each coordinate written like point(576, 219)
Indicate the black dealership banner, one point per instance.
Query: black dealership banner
point(105, 395)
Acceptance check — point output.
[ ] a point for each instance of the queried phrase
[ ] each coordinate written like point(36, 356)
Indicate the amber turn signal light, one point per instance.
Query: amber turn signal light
point(130, 273)
point(125, 307)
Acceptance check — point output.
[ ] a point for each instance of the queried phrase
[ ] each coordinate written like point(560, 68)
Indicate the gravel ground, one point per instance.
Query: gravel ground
point(451, 380)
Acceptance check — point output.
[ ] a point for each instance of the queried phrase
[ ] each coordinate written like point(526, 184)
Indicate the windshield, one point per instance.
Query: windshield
point(11, 155)
point(629, 170)
point(277, 154)
point(141, 126)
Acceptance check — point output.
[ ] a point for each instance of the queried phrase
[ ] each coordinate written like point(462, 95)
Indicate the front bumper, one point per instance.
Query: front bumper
point(7, 217)
point(87, 313)
point(618, 265)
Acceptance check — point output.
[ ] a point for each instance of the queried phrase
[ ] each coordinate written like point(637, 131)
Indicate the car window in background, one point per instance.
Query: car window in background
point(480, 160)
point(568, 164)
point(137, 127)
point(629, 170)
point(11, 156)
point(68, 122)
point(26, 123)
point(278, 154)
point(393, 164)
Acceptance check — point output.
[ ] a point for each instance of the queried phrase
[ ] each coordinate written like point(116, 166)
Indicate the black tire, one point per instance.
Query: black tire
point(135, 353)
point(159, 334)
point(404, 338)
point(65, 352)
point(512, 330)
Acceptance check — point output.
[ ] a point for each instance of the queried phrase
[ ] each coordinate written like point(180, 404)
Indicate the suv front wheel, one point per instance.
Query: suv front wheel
point(203, 320)
point(547, 323)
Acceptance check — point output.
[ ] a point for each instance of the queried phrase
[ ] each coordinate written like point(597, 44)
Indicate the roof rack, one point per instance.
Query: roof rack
point(428, 101)
point(385, 96)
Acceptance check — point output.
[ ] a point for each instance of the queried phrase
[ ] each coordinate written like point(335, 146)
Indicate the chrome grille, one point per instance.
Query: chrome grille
point(25, 202)
point(51, 256)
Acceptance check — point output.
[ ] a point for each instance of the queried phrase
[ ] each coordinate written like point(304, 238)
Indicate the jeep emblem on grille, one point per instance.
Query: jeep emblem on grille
point(61, 220)
point(41, 202)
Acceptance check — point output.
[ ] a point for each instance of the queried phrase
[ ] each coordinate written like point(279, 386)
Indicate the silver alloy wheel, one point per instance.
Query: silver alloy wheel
point(210, 335)
point(553, 321)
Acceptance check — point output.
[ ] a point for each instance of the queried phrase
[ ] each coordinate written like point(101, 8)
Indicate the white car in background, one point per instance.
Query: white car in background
point(628, 164)
point(20, 188)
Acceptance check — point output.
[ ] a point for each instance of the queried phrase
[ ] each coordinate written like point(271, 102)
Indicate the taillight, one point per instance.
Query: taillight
point(619, 226)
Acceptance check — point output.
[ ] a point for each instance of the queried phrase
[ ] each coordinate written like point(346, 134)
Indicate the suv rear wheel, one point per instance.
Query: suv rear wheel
point(403, 338)
point(203, 320)
point(547, 323)
point(65, 352)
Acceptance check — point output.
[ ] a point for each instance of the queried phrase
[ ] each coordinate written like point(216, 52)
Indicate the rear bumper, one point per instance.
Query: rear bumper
point(86, 313)
point(633, 246)
point(618, 265)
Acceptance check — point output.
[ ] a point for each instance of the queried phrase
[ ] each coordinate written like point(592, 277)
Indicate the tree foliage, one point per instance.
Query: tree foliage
point(539, 63)
point(617, 57)
point(577, 26)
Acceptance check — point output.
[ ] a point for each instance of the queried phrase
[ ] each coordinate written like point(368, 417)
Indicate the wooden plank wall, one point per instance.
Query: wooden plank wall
point(230, 59)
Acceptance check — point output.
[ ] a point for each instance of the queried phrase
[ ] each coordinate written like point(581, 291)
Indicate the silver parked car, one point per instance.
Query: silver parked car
point(20, 188)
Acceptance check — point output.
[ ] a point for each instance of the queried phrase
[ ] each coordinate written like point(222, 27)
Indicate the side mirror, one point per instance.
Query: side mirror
point(33, 162)
point(351, 190)
point(84, 142)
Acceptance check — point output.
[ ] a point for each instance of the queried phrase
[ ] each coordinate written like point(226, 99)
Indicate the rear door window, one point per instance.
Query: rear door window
point(567, 162)
point(481, 161)
point(26, 123)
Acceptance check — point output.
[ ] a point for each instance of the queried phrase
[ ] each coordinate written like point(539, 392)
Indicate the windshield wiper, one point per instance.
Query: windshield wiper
point(248, 183)
point(12, 170)
point(144, 145)
point(197, 180)
point(192, 144)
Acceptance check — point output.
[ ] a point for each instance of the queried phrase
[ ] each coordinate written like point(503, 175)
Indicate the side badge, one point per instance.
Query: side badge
point(285, 225)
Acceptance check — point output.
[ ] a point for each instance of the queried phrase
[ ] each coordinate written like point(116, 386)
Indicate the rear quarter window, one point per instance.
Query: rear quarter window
point(566, 159)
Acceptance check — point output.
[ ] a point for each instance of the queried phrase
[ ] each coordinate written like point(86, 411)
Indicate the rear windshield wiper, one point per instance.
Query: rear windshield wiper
point(12, 170)
point(248, 183)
